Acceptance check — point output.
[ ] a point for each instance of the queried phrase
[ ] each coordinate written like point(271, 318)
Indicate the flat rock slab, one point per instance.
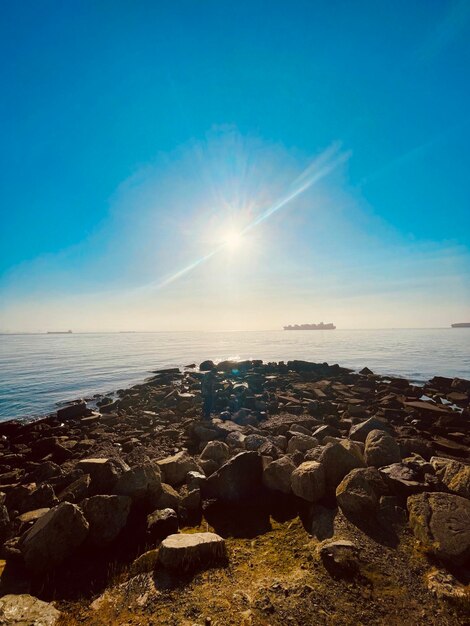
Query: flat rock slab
point(54, 537)
point(187, 551)
point(26, 610)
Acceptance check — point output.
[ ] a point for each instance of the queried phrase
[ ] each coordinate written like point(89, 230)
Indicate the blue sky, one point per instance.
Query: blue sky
point(135, 135)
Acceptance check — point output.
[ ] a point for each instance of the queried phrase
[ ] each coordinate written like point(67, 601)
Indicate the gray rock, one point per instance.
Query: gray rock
point(414, 445)
point(174, 468)
point(340, 557)
point(446, 587)
point(308, 481)
point(326, 431)
point(357, 494)
point(162, 523)
point(254, 442)
point(441, 521)
point(209, 466)
point(78, 409)
point(354, 447)
point(337, 462)
point(277, 475)
point(30, 517)
point(106, 516)
point(195, 479)
point(454, 475)
point(190, 498)
point(4, 522)
point(301, 443)
point(45, 471)
point(26, 610)
point(236, 440)
point(280, 441)
point(381, 449)
point(169, 498)
point(239, 478)
point(76, 491)
point(141, 483)
point(104, 473)
point(184, 552)
point(404, 479)
point(29, 497)
point(144, 563)
point(217, 451)
point(298, 428)
point(54, 537)
point(360, 431)
point(206, 366)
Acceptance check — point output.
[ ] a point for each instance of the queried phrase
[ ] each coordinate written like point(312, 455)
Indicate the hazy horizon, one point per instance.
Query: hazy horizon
point(162, 172)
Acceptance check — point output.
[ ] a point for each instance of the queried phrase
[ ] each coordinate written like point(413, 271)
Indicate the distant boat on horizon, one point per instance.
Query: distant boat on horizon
point(461, 325)
point(320, 326)
point(59, 332)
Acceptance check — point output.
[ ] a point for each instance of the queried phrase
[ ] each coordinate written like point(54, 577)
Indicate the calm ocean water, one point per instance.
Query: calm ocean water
point(38, 371)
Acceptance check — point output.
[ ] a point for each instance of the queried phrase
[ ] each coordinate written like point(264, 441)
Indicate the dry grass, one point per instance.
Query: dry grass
point(277, 578)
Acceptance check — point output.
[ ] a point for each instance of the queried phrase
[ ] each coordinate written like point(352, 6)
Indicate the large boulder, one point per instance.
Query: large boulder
point(78, 409)
point(54, 537)
point(141, 483)
point(217, 451)
point(104, 473)
point(337, 462)
point(174, 468)
point(308, 481)
point(354, 447)
point(359, 492)
point(107, 516)
point(184, 552)
point(207, 366)
point(277, 475)
point(381, 449)
point(359, 432)
point(453, 474)
point(238, 479)
point(441, 521)
point(301, 442)
point(26, 610)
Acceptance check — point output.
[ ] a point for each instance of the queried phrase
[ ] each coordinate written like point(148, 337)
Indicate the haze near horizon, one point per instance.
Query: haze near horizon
point(241, 167)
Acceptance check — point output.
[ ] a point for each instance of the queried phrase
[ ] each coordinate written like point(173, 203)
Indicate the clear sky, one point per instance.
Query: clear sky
point(234, 165)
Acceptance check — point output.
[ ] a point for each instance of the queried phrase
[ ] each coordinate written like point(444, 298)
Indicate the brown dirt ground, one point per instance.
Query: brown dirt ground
point(277, 578)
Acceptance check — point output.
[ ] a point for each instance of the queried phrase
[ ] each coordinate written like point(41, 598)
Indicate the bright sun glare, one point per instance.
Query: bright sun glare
point(232, 239)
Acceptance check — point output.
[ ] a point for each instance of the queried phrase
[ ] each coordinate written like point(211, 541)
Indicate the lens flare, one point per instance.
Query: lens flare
point(321, 167)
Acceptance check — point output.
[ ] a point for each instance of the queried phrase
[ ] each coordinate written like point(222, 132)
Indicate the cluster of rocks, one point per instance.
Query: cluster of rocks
point(304, 432)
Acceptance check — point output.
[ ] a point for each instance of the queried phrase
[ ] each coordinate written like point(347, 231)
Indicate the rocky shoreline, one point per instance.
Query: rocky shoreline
point(311, 495)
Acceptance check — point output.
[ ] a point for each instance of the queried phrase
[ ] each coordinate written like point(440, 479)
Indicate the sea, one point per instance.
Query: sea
point(39, 372)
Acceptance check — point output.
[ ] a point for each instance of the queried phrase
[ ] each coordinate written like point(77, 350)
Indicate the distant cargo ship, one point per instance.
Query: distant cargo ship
point(461, 325)
point(59, 332)
point(320, 326)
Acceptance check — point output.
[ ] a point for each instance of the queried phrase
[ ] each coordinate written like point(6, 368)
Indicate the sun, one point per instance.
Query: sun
point(232, 239)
